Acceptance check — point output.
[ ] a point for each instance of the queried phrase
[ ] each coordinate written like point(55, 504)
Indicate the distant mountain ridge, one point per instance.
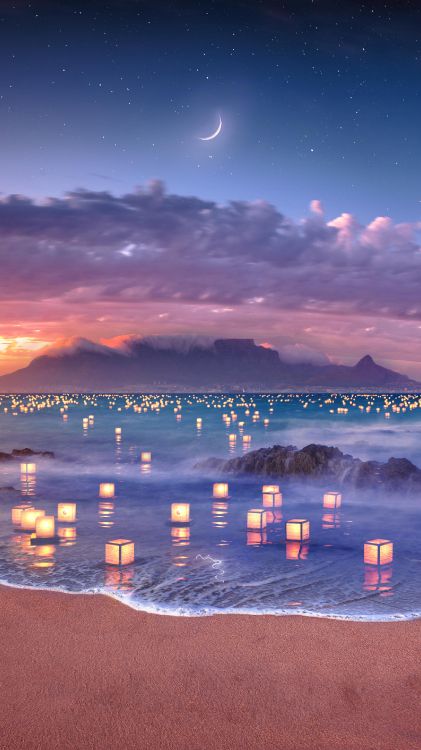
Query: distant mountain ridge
point(133, 363)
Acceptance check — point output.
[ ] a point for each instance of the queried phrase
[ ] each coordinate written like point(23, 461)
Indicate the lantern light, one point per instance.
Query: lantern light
point(146, 457)
point(117, 430)
point(66, 512)
point(256, 519)
point(297, 530)
point(119, 552)
point(45, 527)
point(17, 514)
point(272, 497)
point(28, 468)
point(29, 517)
point(220, 490)
point(107, 489)
point(332, 500)
point(180, 512)
point(378, 552)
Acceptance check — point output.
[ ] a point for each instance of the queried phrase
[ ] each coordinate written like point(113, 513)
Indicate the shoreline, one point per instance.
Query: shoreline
point(152, 609)
point(83, 671)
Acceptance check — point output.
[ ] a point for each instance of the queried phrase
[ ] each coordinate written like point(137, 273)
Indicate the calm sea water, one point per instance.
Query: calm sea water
point(213, 564)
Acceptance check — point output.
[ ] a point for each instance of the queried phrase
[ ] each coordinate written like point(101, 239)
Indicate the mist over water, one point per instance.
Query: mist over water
point(213, 564)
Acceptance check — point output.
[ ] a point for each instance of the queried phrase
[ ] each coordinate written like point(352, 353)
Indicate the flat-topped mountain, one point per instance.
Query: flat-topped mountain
point(133, 363)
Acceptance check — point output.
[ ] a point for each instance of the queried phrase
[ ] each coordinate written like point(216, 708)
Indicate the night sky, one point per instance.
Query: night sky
point(298, 225)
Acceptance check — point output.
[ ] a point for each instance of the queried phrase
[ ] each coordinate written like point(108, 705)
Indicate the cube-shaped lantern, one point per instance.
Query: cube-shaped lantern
point(332, 500)
point(180, 513)
point(146, 457)
point(378, 552)
point(220, 490)
point(29, 518)
point(119, 552)
point(272, 497)
point(256, 519)
point(117, 430)
point(107, 489)
point(17, 514)
point(45, 527)
point(297, 530)
point(28, 468)
point(66, 512)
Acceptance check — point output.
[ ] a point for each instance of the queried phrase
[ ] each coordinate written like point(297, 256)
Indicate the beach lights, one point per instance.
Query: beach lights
point(29, 518)
point(119, 552)
point(17, 514)
point(45, 527)
point(66, 512)
point(146, 457)
point(256, 519)
point(332, 500)
point(272, 497)
point(378, 552)
point(180, 513)
point(220, 490)
point(28, 468)
point(107, 489)
point(297, 530)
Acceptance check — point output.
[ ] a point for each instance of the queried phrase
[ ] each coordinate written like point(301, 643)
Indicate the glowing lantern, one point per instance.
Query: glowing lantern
point(220, 489)
point(106, 489)
point(232, 438)
point(117, 430)
point(297, 530)
point(29, 518)
point(246, 439)
point(45, 527)
point(17, 514)
point(272, 497)
point(180, 513)
point(332, 500)
point(296, 551)
point(378, 552)
point(66, 512)
point(28, 468)
point(146, 457)
point(119, 552)
point(256, 519)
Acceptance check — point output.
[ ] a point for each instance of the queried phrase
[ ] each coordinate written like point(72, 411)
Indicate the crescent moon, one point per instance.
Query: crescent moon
point(217, 131)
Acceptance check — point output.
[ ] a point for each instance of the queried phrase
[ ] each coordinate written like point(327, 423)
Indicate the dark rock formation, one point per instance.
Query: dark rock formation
point(321, 462)
point(18, 453)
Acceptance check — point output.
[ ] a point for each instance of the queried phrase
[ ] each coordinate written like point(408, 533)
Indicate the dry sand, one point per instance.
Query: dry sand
point(88, 672)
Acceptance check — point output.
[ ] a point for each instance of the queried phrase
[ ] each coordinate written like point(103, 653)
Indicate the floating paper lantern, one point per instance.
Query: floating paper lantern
point(29, 518)
point(45, 527)
point(180, 513)
point(232, 438)
point(332, 500)
point(146, 457)
point(28, 468)
point(220, 490)
point(17, 514)
point(256, 519)
point(297, 530)
point(378, 552)
point(107, 489)
point(117, 430)
point(296, 551)
point(246, 439)
point(67, 535)
point(272, 498)
point(119, 552)
point(66, 512)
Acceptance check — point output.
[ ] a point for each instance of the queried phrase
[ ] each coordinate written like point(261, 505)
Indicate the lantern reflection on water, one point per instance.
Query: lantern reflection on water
point(29, 518)
point(105, 512)
point(256, 519)
point(119, 552)
point(119, 580)
point(378, 552)
point(45, 527)
point(332, 500)
point(220, 490)
point(107, 489)
point(219, 513)
point(272, 497)
point(67, 535)
point(297, 530)
point(296, 551)
point(180, 536)
point(378, 578)
point(331, 521)
point(256, 538)
point(44, 557)
point(180, 513)
point(66, 512)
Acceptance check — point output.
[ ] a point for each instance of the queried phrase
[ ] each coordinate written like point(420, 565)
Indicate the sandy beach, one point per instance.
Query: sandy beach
point(88, 672)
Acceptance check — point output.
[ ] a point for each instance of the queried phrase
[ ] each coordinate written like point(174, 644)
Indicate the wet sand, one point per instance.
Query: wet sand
point(88, 672)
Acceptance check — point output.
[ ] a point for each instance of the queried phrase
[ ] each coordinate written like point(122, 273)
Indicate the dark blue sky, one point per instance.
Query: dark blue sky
point(318, 100)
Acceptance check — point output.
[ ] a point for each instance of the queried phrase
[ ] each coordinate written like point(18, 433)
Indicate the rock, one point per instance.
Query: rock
point(24, 453)
point(321, 462)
